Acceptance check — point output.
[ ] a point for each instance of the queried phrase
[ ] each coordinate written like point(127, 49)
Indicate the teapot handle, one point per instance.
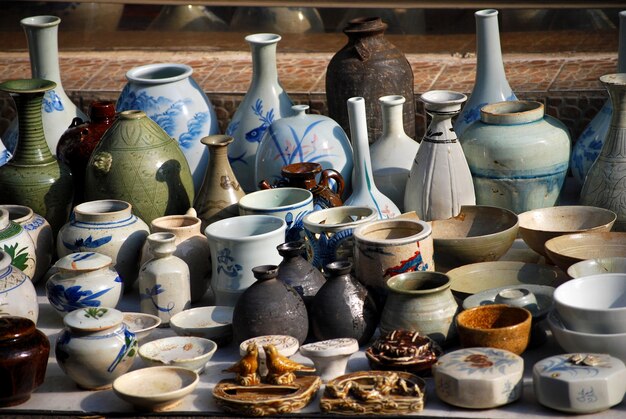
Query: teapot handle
point(336, 176)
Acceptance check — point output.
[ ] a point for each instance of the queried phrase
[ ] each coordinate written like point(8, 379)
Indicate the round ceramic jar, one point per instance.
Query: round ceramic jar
point(518, 156)
point(579, 383)
point(95, 347)
point(24, 354)
point(18, 296)
point(83, 279)
point(479, 378)
point(110, 228)
point(17, 243)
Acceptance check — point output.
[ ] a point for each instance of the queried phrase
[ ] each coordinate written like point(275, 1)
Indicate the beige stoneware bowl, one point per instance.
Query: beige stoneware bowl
point(566, 250)
point(613, 265)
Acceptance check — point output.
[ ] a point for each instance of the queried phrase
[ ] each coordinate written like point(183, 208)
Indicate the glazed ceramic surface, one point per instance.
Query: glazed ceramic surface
point(490, 84)
point(84, 279)
point(164, 284)
point(212, 322)
point(518, 156)
point(141, 324)
point(18, 245)
point(329, 233)
point(479, 378)
point(303, 138)
point(566, 250)
point(387, 248)
point(290, 204)
point(477, 234)
point(297, 272)
point(108, 227)
point(190, 352)
point(331, 356)
point(18, 296)
point(579, 383)
point(589, 267)
point(286, 346)
point(156, 388)
point(440, 181)
point(95, 347)
point(265, 101)
point(420, 301)
point(403, 350)
point(24, 354)
point(540, 225)
point(364, 190)
point(168, 94)
point(238, 245)
point(138, 162)
point(535, 298)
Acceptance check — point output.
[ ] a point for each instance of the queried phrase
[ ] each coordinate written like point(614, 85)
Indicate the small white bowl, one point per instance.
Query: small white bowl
point(331, 356)
point(214, 322)
point(141, 324)
point(156, 388)
point(188, 352)
point(611, 265)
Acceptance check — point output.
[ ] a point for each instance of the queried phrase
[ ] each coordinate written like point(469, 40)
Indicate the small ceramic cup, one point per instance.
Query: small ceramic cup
point(518, 297)
point(290, 204)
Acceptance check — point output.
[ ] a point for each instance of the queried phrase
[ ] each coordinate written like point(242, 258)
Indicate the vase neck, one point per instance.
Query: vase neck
point(264, 63)
point(621, 51)
point(43, 49)
point(32, 147)
point(489, 65)
point(440, 123)
point(392, 119)
point(616, 137)
point(363, 176)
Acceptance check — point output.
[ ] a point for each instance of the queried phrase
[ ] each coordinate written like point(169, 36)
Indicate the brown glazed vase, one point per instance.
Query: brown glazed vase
point(24, 354)
point(81, 138)
point(369, 66)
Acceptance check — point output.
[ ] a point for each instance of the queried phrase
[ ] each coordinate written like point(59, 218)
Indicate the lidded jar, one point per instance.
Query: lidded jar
point(18, 296)
point(17, 243)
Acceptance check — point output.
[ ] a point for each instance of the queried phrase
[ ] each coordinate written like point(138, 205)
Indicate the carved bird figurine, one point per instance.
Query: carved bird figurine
point(246, 368)
point(280, 368)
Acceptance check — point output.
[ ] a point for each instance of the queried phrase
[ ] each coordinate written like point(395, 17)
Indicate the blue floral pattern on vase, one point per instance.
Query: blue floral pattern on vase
point(52, 102)
point(37, 222)
point(588, 146)
point(74, 297)
point(88, 243)
point(324, 249)
point(226, 264)
point(127, 350)
point(150, 294)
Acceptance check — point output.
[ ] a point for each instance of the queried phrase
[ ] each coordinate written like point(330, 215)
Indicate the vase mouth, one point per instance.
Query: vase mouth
point(486, 13)
point(18, 213)
point(300, 110)
point(218, 140)
point(443, 101)
point(162, 243)
point(171, 223)
point(276, 200)
point(392, 232)
point(246, 228)
point(617, 79)
point(263, 38)
point(365, 24)
point(301, 170)
point(43, 21)
point(132, 114)
point(103, 207)
point(391, 100)
point(512, 112)
point(20, 86)
point(159, 73)
point(419, 283)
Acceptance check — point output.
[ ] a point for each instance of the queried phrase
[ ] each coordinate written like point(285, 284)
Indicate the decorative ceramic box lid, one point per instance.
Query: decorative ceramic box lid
point(286, 345)
point(330, 347)
point(83, 261)
point(93, 319)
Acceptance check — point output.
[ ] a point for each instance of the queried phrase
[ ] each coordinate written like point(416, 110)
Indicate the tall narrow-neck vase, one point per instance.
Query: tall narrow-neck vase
point(265, 101)
point(491, 84)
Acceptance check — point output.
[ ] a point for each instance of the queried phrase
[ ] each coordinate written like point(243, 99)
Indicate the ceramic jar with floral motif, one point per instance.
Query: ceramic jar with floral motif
point(16, 242)
point(18, 296)
point(82, 280)
point(95, 347)
point(108, 227)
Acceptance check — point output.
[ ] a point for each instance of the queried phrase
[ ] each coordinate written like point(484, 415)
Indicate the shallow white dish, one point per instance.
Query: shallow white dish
point(141, 324)
point(156, 388)
point(589, 267)
point(213, 322)
point(188, 352)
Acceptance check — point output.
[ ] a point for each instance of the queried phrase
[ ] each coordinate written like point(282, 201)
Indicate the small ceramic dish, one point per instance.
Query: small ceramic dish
point(540, 225)
point(580, 382)
point(286, 345)
point(612, 265)
point(496, 326)
point(213, 322)
point(157, 388)
point(543, 296)
point(403, 350)
point(330, 357)
point(479, 378)
point(188, 352)
point(478, 234)
point(566, 250)
point(141, 324)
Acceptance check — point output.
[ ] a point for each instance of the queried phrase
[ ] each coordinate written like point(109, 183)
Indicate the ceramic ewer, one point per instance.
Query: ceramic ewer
point(303, 138)
point(329, 233)
point(490, 85)
point(518, 156)
point(82, 280)
point(393, 152)
point(423, 302)
point(18, 296)
point(108, 227)
point(364, 190)
point(39, 231)
point(95, 347)
point(24, 354)
point(603, 185)
point(326, 193)
point(239, 244)
point(440, 181)
point(168, 94)
point(264, 102)
point(138, 162)
point(15, 241)
point(164, 287)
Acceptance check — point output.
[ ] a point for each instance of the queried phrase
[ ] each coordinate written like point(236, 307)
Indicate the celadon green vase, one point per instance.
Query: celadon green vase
point(34, 178)
point(137, 162)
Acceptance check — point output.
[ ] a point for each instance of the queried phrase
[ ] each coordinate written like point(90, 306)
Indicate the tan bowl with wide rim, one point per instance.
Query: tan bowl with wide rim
point(566, 250)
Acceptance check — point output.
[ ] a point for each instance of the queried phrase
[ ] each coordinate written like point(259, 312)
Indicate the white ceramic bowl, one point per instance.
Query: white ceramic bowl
point(141, 324)
point(179, 351)
point(213, 322)
point(157, 388)
point(593, 304)
point(588, 267)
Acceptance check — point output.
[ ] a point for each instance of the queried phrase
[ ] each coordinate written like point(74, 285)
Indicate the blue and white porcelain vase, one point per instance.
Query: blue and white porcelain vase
point(265, 102)
point(364, 190)
point(58, 111)
point(18, 296)
point(168, 94)
point(303, 138)
point(587, 147)
point(518, 156)
point(18, 244)
point(491, 84)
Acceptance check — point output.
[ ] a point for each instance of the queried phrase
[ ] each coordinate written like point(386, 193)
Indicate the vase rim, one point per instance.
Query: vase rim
point(286, 198)
point(443, 101)
point(172, 223)
point(392, 100)
point(261, 227)
point(159, 73)
point(616, 79)
point(300, 110)
point(444, 282)
point(317, 221)
point(486, 13)
point(132, 114)
point(365, 24)
point(42, 21)
point(22, 86)
point(512, 112)
point(263, 38)
point(103, 206)
point(18, 213)
point(217, 140)
point(421, 231)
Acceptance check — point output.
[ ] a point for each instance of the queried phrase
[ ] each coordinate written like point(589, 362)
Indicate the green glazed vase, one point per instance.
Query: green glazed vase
point(34, 178)
point(137, 162)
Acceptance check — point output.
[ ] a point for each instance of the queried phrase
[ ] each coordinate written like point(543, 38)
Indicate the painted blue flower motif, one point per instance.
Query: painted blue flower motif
point(256, 135)
point(127, 350)
point(151, 293)
point(88, 243)
point(35, 224)
point(52, 102)
point(473, 114)
point(295, 226)
point(195, 129)
point(299, 149)
point(73, 298)
point(325, 248)
point(482, 361)
point(226, 265)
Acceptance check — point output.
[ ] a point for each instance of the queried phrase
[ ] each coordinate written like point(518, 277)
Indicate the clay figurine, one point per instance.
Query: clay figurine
point(280, 368)
point(247, 367)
